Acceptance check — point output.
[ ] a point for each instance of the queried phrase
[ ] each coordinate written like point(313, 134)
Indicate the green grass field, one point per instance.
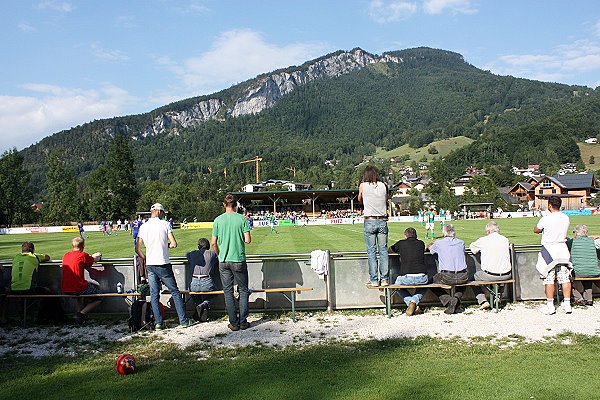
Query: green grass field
point(289, 239)
point(422, 368)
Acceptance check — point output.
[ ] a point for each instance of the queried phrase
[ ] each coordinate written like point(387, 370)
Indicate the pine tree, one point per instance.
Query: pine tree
point(64, 203)
point(15, 195)
point(122, 189)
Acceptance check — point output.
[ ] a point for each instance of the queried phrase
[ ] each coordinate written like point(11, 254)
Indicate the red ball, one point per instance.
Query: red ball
point(125, 364)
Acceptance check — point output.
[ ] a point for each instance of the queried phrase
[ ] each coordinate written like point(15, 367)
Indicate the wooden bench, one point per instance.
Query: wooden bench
point(493, 287)
point(64, 296)
point(390, 290)
point(292, 292)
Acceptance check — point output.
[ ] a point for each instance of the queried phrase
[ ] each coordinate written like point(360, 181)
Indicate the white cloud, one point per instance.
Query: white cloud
point(562, 64)
point(23, 27)
point(383, 12)
point(106, 54)
point(235, 56)
point(49, 108)
point(61, 6)
point(456, 6)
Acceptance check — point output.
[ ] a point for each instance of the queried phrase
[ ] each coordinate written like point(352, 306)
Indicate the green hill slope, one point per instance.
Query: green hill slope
point(444, 147)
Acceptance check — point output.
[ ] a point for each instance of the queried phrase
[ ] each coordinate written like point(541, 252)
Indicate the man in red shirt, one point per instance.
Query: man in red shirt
point(74, 264)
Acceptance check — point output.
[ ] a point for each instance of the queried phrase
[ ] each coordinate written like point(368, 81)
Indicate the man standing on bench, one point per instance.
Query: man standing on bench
point(157, 236)
point(231, 233)
point(452, 268)
point(74, 264)
point(413, 270)
point(495, 260)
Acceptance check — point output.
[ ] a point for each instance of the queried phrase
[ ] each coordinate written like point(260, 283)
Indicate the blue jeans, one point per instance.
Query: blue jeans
point(376, 233)
point(202, 285)
point(412, 280)
point(238, 272)
point(158, 274)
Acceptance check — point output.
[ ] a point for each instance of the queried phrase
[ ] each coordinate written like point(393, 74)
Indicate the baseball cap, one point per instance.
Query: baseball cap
point(157, 206)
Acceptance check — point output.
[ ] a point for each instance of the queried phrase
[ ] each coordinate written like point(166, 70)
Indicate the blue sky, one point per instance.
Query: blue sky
point(67, 62)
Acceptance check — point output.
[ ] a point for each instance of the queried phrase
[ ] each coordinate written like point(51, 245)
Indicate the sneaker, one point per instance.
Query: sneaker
point(188, 323)
point(410, 310)
point(567, 307)
point(548, 310)
point(233, 327)
point(244, 325)
point(385, 282)
point(160, 327)
point(581, 303)
point(485, 305)
point(80, 317)
point(374, 283)
point(202, 310)
point(589, 303)
point(418, 310)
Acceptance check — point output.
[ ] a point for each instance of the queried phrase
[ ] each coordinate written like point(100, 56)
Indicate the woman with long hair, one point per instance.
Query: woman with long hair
point(373, 194)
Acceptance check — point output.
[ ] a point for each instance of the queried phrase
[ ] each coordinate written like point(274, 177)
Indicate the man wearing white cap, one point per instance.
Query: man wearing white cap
point(157, 236)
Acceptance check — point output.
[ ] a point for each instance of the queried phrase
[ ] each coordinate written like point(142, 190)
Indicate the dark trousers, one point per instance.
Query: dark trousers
point(449, 278)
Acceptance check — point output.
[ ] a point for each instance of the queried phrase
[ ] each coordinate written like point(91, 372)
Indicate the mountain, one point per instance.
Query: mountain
point(337, 108)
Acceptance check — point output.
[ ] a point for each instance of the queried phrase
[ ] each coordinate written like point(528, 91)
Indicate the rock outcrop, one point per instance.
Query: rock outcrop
point(264, 92)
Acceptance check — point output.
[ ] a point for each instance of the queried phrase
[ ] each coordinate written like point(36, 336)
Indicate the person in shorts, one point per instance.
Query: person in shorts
point(554, 259)
point(74, 264)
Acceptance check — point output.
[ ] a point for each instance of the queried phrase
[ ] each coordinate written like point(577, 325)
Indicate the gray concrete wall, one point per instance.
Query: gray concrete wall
point(345, 287)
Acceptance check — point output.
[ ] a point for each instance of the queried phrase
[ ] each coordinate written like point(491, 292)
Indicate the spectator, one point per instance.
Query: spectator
point(205, 263)
point(373, 194)
point(495, 260)
point(157, 237)
point(230, 235)
point(452, 268)
point(73, 277)
point(23, 277)
point(413, 270)
point(585, 264)
point(554, 255)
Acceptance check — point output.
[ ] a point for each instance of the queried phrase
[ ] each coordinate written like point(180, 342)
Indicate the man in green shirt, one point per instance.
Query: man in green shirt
point(23, 281)
point(230, 234)
point(24, 266)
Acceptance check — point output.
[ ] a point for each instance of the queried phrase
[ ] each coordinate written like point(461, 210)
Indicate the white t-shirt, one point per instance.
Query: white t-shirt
point(554, 228)
point(155, 234)
point(495, 253)
point(374, 196)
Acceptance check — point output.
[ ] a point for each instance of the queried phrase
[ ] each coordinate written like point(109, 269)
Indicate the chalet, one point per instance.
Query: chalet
point(401, 189)
point(523, 192)
point(462, 181)
point(575, 190)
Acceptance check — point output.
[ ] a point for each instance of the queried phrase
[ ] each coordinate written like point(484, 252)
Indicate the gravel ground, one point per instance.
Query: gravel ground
point(515, 323)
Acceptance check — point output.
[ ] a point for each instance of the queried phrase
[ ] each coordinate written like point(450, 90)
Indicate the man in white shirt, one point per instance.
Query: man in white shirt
point(554, 255)
point(157, 236)
point(495, 260)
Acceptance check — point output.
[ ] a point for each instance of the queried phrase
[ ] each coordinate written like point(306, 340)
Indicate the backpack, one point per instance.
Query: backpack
point(141, 316)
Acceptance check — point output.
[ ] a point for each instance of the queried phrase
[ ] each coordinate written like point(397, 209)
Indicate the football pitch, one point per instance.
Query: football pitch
point(288, 240)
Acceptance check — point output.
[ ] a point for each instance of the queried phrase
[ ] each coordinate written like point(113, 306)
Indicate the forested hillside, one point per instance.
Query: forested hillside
point(428, 95)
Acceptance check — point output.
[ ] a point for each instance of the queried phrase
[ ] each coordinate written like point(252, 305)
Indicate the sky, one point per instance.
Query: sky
point(68, 62)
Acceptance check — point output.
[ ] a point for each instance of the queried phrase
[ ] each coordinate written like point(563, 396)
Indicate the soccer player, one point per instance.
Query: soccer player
point(81, 230)
point(430, 223)
point(272, 223)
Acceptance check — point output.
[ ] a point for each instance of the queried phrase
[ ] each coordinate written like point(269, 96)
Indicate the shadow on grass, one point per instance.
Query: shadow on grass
point(421, 368)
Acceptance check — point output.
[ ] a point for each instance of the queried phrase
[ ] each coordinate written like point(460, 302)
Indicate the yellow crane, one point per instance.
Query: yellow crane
point(256, 159)
point(293, 169)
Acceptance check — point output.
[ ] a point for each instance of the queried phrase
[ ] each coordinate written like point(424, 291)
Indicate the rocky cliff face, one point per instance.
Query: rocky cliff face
point(263, 92)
